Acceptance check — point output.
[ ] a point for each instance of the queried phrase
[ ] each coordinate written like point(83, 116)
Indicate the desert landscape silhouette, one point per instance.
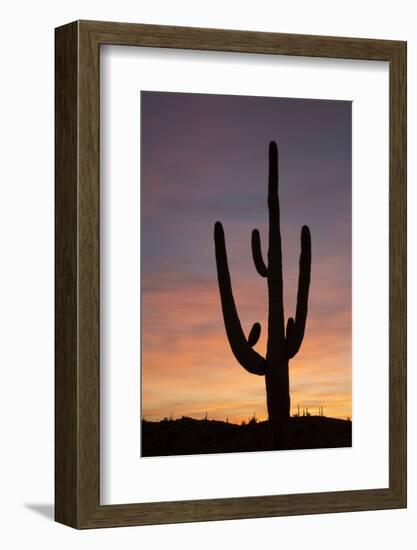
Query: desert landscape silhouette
point(280, 431)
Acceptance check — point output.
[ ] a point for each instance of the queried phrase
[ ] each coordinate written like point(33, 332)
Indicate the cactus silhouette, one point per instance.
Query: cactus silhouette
point(283, 342)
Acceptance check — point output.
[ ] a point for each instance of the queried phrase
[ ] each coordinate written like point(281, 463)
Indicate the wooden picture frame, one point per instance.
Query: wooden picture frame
point(77, 373)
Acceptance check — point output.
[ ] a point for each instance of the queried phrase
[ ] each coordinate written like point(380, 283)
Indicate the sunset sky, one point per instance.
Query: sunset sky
point(205, 158)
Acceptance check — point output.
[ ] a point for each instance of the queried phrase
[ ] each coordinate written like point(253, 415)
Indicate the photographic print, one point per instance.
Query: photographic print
point(246, 218)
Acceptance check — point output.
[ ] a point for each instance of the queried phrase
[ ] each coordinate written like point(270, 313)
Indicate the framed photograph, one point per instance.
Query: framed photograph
point(230, 274)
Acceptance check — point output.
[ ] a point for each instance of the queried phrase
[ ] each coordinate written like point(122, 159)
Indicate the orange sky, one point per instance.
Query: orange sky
point(187, 365)
point(195, 372)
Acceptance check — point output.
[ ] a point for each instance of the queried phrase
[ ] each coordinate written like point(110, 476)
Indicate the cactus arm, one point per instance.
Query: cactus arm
point(254, 334)
point(241, 348)
point(289, 330)
point(290, 340)
point(295, 334)
point(257, 254)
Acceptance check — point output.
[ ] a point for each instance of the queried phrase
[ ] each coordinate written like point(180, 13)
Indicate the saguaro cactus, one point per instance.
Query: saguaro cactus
point(283, 342)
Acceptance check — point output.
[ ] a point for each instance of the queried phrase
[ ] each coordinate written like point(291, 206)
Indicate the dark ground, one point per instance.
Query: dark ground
point(189, 436)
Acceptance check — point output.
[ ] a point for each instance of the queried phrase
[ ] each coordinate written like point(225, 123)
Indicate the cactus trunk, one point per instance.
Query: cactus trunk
point(282, 343)
point(278, 402)
point(276, 376)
